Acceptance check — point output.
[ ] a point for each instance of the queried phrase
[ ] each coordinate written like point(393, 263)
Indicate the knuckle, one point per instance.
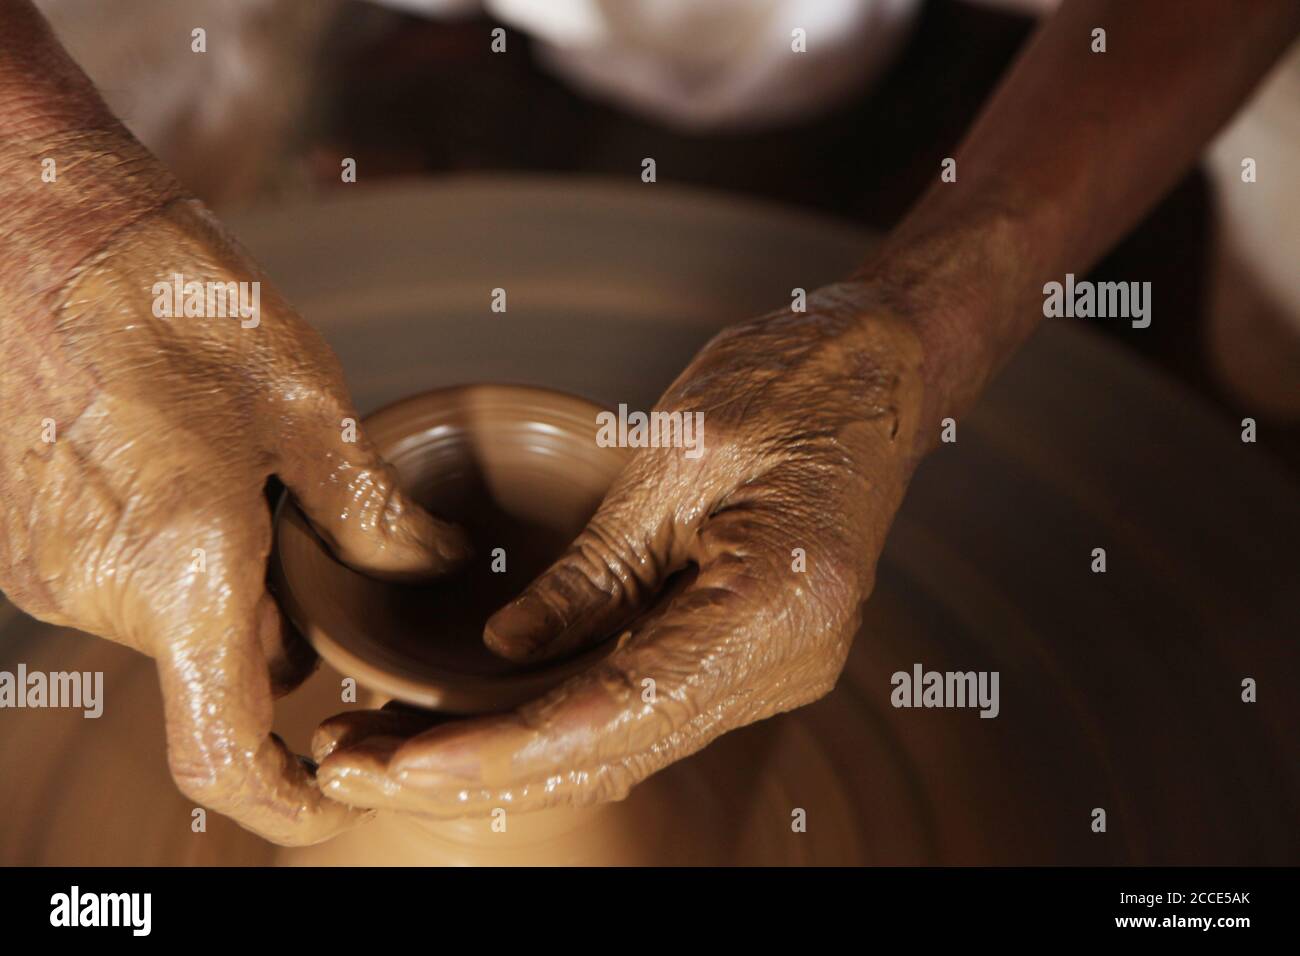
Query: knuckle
point(602, 560)
point(202, 780)
point(224, 773)
point(613, 782)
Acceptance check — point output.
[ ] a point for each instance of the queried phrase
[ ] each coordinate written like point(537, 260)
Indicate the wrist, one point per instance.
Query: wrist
point(64, 196)
point(969, 282)
point(71, 175)
point(43, 92)
point(986, 253)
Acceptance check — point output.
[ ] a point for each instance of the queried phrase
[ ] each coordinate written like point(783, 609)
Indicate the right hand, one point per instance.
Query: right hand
point(813, 428)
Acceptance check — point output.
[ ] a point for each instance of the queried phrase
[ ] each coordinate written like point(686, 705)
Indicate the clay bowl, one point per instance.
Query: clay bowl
point(519, 470)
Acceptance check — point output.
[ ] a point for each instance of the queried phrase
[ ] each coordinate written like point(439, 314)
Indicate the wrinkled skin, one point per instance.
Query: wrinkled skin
point(166, 430)
point(810, 425)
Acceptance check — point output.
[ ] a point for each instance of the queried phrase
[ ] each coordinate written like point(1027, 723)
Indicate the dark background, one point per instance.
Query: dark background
point(427, 97)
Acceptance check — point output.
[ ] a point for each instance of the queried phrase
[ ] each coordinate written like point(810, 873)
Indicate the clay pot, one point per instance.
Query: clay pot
point(520, 471)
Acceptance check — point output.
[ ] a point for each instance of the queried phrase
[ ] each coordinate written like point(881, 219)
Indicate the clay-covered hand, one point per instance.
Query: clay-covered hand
point(136, 447)
point(809, 436)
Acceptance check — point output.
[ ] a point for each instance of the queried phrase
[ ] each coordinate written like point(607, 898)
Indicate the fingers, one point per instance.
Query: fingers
point(394, 721)
point(352, 498)
point(216, 688)
point(719, 656)
point(610, 571)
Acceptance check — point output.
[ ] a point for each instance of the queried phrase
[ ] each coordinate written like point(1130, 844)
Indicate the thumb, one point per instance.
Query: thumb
point(352, 498)
point(611, 570)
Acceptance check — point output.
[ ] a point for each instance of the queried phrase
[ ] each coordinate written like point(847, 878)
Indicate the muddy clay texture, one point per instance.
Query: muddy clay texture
point(1051, 457)
point(520, 472)
point(154, 532)
point(810, 424)
point(144, 520)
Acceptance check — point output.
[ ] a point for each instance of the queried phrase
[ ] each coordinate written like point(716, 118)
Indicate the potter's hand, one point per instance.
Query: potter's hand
point(136, 447)
point(809, 426)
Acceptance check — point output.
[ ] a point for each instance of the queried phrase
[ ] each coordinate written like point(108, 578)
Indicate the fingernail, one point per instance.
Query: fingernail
point(355, 773)
point(452, 544)
point(520, 629)
point(324, 741)
point(375, 750)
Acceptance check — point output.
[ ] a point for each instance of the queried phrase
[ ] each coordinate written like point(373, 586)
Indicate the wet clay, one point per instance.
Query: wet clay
point(732, 579)
point(980, 572)
point(520, 472)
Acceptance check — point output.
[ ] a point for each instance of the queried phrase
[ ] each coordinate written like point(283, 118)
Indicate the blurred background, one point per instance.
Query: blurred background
point(288, 88)
point(1126, 695)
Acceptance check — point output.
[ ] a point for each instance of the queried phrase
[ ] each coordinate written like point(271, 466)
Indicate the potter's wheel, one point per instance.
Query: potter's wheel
point(1119, 691)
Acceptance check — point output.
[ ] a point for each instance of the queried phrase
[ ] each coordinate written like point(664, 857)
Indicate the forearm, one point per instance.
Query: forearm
point(42, 91)
point(70, 174)
point(1071, 151)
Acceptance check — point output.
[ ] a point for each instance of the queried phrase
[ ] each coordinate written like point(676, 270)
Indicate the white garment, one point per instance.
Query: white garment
point(706, 63)
point(1263, 216)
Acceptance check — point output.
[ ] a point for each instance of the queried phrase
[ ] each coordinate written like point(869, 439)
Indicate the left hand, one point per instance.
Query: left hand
point(810, 435)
